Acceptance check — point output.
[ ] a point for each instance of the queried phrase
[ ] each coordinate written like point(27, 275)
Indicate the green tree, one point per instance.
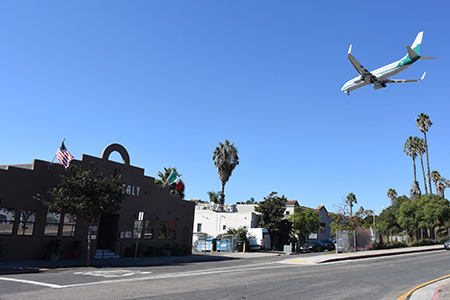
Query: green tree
point(213, 196)
point(406, 217)
point(225, 160)
point(439, 181)
point(386, 221)
point(272, 210)
point(164, 180)
point(350, 200)
point(431, 211)
point(86, 194)
point(304, 222)
point(420, 148)
point(410, 148)
point(250, 201)
point(392, 194)
point(364, 217)
point(241, 233)
point(423, 124)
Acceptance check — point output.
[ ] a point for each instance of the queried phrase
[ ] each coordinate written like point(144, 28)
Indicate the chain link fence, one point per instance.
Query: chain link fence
point(355, 240)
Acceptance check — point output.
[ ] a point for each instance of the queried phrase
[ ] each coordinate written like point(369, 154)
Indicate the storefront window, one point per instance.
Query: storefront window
point(7, 218)
point(27, 218)
point(172, 230)
point(52, 224)
point(148, 230)
point(69, 225)
point(162, 231)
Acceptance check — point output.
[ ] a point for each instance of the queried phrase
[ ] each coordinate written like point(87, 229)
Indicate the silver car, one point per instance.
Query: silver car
point(447, 245)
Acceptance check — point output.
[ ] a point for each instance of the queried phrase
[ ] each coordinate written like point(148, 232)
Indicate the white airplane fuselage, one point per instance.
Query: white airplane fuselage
point(382, 73)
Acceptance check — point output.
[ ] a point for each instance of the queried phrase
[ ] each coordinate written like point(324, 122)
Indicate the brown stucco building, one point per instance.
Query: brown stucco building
point(27, 228)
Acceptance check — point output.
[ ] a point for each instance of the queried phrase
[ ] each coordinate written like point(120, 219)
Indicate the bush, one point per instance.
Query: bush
point(422, 242)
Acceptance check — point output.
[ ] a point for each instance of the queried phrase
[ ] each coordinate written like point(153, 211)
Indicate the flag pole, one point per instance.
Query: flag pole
point(51, 163)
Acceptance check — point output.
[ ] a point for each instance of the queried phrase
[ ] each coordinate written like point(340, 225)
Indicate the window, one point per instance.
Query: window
point(70, 222)
point(224, 227)
point(172, 231)
point(199, 227)
point(162, 235)
point(7, 218)
point(323, 226)
point(148, 230)
point(27, 218)
point(52, 224)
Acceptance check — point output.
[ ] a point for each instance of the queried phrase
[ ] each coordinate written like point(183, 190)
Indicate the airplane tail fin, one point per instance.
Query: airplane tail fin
point(417, 42)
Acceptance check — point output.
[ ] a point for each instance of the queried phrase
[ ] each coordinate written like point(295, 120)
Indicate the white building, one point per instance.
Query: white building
point(209, 220)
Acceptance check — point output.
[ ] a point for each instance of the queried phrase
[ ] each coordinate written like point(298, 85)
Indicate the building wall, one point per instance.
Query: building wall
point(18, 186)
point(212, 221)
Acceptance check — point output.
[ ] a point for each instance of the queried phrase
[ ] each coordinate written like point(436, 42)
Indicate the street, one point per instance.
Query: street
point(257, 278)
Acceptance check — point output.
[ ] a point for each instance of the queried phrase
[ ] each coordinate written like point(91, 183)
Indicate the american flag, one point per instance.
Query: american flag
point(63, 155)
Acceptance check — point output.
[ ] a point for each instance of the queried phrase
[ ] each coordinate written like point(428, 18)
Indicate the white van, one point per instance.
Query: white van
point(259, 239)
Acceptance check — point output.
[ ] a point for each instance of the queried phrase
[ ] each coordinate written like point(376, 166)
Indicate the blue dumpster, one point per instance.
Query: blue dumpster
point(205, 244)
point(224, 245)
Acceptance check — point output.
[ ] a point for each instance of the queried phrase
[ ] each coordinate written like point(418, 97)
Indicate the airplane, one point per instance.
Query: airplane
point(379, 77)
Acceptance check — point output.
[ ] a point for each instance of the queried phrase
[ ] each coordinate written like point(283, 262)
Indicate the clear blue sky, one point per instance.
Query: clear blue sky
point(169, 80)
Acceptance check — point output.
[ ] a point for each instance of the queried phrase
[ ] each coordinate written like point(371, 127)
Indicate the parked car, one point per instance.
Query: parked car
point(327, 244)
point(447, 245)
point(312, 246)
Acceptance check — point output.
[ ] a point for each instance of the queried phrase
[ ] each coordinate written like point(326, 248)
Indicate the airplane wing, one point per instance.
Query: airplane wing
point(359, 68)
point(404, 80)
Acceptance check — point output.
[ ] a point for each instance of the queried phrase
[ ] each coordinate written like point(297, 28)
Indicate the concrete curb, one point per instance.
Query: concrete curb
point(363, 255)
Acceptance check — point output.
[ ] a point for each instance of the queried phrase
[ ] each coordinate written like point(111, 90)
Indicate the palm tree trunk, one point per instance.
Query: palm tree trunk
point(424, 177)
point(428, 161)
point(222, 196)
point(351, 215)
point(414, 164)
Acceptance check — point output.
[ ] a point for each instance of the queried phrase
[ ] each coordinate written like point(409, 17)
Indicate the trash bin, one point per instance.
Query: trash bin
point(224, 245)
point(240, 246)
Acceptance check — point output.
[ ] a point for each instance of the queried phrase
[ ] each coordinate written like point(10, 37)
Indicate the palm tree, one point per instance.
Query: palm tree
point(213, 196)
point(350, 200)
point(225, 159)
point(410, 149)
point(420, 147)
point(423, 124)
point(391, 193)
point(163, 180)
point(438, 180)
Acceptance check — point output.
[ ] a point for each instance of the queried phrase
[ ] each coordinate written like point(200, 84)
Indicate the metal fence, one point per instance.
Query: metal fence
point(355, 240)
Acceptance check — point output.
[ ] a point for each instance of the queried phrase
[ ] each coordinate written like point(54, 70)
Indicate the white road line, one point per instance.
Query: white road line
point(55, 286)
point(176, 275)
point(244, 268)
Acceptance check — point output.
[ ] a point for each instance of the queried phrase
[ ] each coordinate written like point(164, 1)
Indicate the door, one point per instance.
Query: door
point(108, 231)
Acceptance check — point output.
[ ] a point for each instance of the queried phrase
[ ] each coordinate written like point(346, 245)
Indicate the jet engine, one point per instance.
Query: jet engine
point(379, 86)
point(368, 78)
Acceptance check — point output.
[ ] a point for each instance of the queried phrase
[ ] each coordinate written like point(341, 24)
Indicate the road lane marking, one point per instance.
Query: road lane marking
point(111, 273)
point(55, 286)
point(408, 294)
point(299, 261)
point(177, 275)
point(242, 268)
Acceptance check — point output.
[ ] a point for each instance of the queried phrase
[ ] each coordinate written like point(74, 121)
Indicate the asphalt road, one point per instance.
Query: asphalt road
point(259, 278)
